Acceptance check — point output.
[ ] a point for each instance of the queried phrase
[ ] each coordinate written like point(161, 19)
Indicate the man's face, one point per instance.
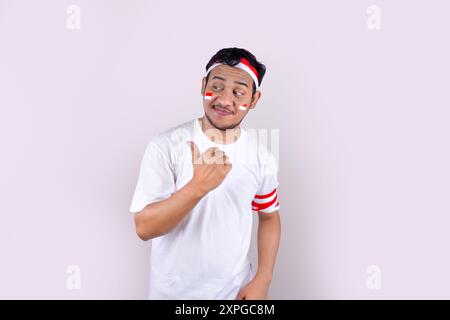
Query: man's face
point(230, 87)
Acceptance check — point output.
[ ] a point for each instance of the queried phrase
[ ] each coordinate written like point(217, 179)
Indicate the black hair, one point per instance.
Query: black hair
point(232, 56)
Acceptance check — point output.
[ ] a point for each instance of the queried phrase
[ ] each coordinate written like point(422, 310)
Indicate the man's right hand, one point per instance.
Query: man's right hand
point(210, 167)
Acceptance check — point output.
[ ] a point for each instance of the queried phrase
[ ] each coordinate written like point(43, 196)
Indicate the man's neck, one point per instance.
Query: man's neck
point(217, 135)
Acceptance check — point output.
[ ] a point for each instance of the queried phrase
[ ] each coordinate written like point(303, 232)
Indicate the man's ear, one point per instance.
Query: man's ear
point(255, 99)
point(202, 91)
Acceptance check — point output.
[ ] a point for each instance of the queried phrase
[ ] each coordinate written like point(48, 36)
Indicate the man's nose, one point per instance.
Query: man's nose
point(225, 99)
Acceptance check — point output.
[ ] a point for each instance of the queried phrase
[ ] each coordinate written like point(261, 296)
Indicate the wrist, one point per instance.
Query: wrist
point(264, 276)
point(196, 189)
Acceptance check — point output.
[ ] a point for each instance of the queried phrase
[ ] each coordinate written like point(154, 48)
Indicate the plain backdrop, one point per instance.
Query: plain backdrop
point(362, 114)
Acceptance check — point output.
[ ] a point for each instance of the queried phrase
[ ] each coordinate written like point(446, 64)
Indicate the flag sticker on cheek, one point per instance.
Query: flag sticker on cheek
point(208, 96)
point(243, 107)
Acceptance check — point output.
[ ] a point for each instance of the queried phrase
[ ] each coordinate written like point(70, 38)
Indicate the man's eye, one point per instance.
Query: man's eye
point(215, 88)
point(238, 93)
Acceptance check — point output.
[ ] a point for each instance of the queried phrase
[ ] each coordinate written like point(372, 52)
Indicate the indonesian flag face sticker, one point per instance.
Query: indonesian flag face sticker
point(208, 96)
point(243, 107)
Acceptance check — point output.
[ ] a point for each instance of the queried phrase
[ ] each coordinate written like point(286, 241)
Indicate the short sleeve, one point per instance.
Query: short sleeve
point(156, 179)
point(266, 198)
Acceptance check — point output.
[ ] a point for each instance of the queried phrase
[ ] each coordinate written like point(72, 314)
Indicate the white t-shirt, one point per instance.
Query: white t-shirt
point(205, 255)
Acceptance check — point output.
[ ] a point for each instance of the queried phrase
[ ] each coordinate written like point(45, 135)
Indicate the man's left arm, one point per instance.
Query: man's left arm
point(269, 232)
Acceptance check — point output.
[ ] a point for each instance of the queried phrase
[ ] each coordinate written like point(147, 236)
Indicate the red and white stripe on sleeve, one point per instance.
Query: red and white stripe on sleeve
point(266, 203)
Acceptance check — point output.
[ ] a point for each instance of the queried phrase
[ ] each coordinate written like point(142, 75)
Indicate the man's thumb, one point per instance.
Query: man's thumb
point(194, 150)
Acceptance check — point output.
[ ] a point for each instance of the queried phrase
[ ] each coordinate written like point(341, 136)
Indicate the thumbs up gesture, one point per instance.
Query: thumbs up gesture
point(210, 167)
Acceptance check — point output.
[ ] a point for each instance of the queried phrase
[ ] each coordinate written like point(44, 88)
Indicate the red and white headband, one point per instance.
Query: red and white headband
point(245, 65)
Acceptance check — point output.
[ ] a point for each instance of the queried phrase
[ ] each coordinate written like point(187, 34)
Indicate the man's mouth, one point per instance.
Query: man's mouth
point(222, 111)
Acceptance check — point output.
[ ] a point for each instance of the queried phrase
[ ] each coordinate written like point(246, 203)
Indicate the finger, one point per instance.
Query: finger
point(211, 154)
point(215, 152)
point(206, 156)
point(225, 160)
point(220, 158)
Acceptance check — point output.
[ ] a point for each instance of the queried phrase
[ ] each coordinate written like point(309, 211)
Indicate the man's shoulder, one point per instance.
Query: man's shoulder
point(171, 137)
point(259, 144)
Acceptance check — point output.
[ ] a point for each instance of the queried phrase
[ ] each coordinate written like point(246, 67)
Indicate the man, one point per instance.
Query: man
point(200, 184)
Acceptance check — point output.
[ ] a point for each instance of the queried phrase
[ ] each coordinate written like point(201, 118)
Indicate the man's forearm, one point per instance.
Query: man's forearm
point(158, 218)
point(269, 231)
